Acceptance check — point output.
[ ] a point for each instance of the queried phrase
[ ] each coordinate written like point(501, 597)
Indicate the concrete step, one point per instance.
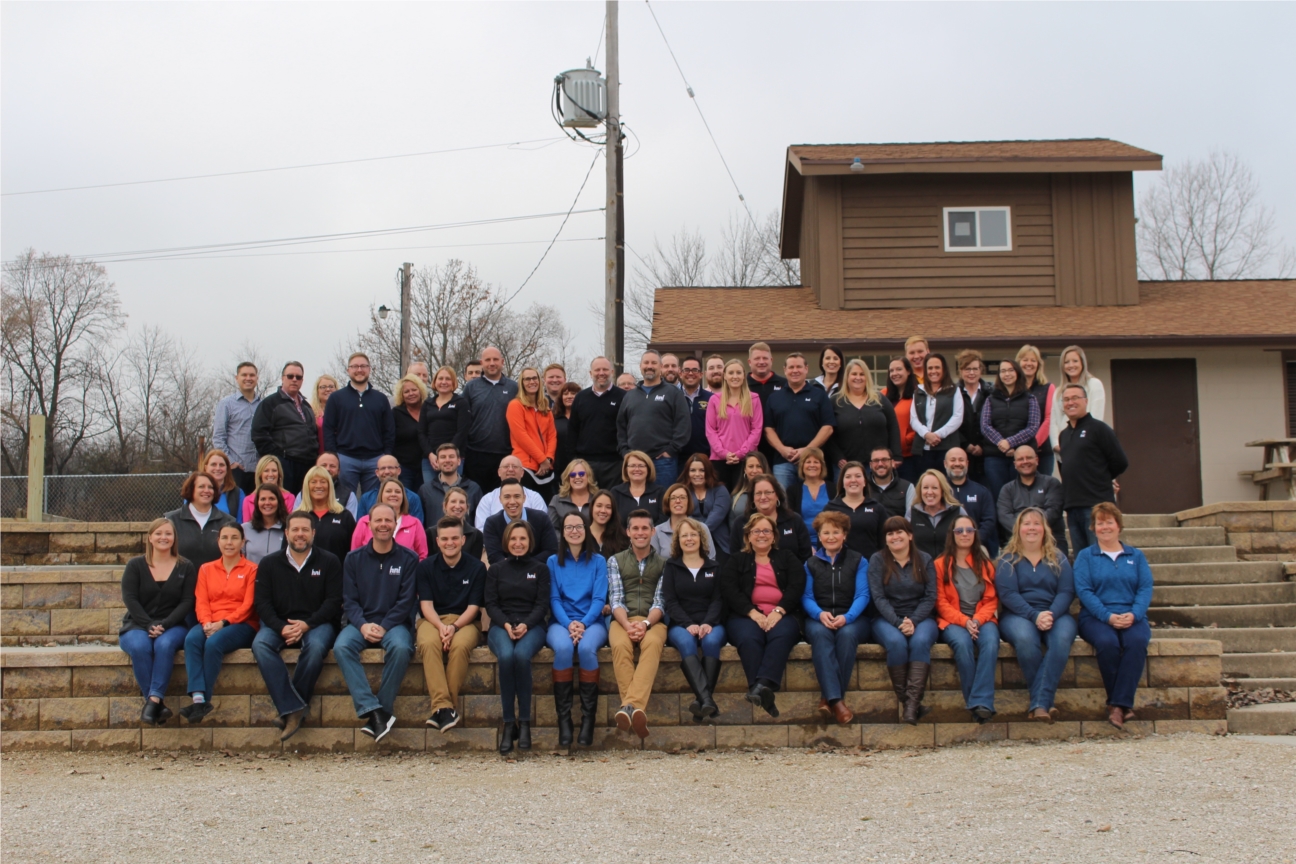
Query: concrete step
point(1210, 535)
point(1287, 684)
point(1274, 719)
point(1269, 664)
point(1266, 615)
point(1236, 640)
point(1151, 520)
point(1190, 554)
point(1218, 573)
point(1258, 593)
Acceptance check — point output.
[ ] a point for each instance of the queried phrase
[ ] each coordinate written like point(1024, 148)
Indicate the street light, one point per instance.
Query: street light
point(382, 312)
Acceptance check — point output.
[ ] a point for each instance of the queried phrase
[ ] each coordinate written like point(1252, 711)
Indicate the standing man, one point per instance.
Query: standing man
point(894, 493)
point(298, 599)
point(626, 381)
point(974, 497)
point(1031, 489)
point(1092, 459)
point(916, 350)
point(698, 397)
point(284, 426)
point(345, 494)
point(510, 468)
point(715, 373)
point(485, 432)
point(635, 595)
point(796, 416)
point(654, 418)
point(670, 369)
point(554, 377)
point(513, 507)
point(593, 424)
point(472, 369)
point(762, 381)
point(377, 598)
point(389, 469)
point(432, 494)
point(451, 591)
point(419, 370)
point(359, 426)
point(232, 426)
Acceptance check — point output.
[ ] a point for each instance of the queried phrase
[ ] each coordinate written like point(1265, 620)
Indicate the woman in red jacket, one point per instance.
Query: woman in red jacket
point(533, 433)
point(901, 383)
point(967, 612)
point(227, 622)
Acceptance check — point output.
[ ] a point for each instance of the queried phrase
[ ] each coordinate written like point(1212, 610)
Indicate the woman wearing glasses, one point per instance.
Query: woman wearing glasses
point(967, 612)
point(576, 493)
point(578, 590)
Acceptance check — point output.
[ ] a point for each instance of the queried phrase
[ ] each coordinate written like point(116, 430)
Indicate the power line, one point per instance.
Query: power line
point(696, 105)
point(284, 167)
point(205, 257)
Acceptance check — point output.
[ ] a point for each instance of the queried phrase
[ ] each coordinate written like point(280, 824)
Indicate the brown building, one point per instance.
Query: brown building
point(992, 245)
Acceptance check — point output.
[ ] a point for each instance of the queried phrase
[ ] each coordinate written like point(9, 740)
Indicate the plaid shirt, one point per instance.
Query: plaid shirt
point(616, 591)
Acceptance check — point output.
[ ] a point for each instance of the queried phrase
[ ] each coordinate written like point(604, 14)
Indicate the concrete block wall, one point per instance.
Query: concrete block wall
point(1259, 530)
point(43, 543)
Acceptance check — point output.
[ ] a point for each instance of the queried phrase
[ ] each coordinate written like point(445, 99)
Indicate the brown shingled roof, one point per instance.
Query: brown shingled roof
point(1077, 149)
point(1168, 313)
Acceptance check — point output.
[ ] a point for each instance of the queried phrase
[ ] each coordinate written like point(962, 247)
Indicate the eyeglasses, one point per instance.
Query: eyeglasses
point(573, 529)
point(293, 377)
point(964, 530)
point(879, 461)
point(762, 532)
point(358, 366)
point(576, 474)
point(766, 495)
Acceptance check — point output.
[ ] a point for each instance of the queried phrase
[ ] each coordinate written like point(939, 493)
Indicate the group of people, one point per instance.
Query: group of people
point(707, 502)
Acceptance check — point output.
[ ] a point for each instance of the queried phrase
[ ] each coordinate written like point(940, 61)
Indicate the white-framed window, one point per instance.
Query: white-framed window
point(978, 229)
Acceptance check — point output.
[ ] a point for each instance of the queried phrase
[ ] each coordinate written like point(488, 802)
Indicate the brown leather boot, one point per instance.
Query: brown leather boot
point(916, 686)
point(899, 679)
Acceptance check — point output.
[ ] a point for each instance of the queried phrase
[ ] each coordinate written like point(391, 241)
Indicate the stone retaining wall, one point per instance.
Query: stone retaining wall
point(86, 699)
point(63, 606)
point(40, 543)
point(1261, 530)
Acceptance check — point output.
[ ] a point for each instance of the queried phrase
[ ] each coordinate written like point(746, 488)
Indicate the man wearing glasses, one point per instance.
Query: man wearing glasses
point(894, 493)
point(359, 426)
point(284, 426)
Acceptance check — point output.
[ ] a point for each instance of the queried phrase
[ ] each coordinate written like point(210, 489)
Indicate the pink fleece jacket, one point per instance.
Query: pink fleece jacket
point(409, 533)
point(735, 433)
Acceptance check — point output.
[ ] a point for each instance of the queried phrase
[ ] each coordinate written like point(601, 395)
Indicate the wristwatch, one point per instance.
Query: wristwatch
point(780, 610)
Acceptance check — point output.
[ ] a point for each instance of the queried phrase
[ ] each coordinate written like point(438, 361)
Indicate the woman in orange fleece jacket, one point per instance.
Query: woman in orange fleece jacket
point(533, 433)
point(223, 599)
point(967, 612)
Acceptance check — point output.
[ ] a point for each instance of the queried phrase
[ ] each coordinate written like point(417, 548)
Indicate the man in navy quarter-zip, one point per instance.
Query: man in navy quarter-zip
point(654, 418)
point(485, 431)
point(358, 426)
point(974, 497)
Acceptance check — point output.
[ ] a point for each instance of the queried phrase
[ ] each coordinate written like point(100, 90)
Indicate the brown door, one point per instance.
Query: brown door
point(1154, 403)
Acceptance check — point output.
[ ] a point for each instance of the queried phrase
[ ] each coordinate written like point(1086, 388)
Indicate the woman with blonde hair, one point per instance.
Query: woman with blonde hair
point(866, 419)
point(734, 424)
point(323, 389)
point(334, 524)
point(576, 492)
point(440, 418)
point(1037, 384)
point(1035, 587)
point(268, 470)
point(1075, 370)
point(229, 497)
point(408, 398)
point(933, 512)
point(532, 432)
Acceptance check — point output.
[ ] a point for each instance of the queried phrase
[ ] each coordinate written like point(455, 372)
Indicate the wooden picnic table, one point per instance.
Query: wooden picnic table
point(1277, 464)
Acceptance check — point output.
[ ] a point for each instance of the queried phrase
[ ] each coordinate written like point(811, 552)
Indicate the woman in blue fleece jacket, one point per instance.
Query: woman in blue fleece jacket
point(1036, 587)
point(578, 590)
point(1114, 584)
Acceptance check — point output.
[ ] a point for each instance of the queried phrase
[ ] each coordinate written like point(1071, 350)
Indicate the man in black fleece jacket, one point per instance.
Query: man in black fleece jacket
point(298, 598)
point(284, 426)
point(1092, 459)
point(593, 424)
point(654, 419)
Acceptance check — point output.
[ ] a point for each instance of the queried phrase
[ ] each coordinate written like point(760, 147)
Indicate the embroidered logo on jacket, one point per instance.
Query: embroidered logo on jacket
point(315, 573)
point(529, 576)
point(395, 571)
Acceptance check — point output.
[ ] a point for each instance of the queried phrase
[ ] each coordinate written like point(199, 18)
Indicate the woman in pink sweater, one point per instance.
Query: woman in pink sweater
point(409, 531)
point(734, 423)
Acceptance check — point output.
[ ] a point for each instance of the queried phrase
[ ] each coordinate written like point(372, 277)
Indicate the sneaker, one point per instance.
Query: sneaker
point(449, 719)
point(623, 717)
point(291, 724)
point(198, 712)
point(383, 725)
point(639, 723)
point(371, 726)
point(434, 719)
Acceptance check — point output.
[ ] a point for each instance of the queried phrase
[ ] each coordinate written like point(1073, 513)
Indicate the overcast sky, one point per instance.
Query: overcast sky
point(111, 92)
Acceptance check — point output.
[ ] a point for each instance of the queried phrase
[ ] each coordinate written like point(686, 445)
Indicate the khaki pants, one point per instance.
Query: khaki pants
point(445, 677)
point(635, 681)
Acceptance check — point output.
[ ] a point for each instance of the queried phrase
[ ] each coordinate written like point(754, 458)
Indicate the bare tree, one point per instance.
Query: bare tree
point(741, 255)
point(1204, 220)
point(184, 411)
point(56, 312)
point(250, 352)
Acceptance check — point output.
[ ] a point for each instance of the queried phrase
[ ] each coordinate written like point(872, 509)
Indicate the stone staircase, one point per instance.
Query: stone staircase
point(1202, 590)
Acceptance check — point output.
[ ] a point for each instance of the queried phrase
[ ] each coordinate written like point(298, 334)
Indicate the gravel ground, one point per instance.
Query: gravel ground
point(1168, 798)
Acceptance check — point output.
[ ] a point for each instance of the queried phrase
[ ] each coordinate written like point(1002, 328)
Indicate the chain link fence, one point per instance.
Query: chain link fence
point(96, 497)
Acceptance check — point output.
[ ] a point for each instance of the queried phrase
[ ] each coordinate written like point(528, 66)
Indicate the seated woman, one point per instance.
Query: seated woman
point(679, 506)
point(1114, 584)
point(229, 497)
point(810, 493)
point(902, 585)
point(517, 601)
point(754, 465)
point(836, 594)
point(933, 512)
point(198, 522)
point(761, 585)
point(456, 504)
point(691, 597)
point(639, 491)
point(223, 598)
point(264, 533)
point(158, 593)
point(334, 524)
point(966, 612)
point(268, 470)
point(578, 588)
point(606, 526)
point(409, 531)
point(769, 499)
point(575, 493)
point(711, 500)
point(1035, 588)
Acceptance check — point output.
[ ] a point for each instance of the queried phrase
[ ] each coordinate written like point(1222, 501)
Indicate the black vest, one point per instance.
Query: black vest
point(944, 411)
point(834, 583)
point(1009, 414)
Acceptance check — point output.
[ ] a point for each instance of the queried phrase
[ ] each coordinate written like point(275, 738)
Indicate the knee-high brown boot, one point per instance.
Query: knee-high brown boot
point(917, 685)
point(899, 681)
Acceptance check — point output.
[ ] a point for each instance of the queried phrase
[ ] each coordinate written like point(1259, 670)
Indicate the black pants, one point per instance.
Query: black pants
point(483, 468)
point(607, 472)
point(295, 473)
point(244, 480)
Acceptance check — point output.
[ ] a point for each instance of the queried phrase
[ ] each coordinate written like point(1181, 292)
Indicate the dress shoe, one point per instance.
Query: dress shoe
point(842, 714)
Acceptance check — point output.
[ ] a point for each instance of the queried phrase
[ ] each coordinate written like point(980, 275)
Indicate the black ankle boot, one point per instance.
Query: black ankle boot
point(524, 735)
point(589, 708)
point(507, 734)
point(562, 693)
point(149, 715)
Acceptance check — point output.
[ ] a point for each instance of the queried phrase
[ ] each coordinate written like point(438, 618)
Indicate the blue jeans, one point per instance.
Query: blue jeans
point(292, 694)
point(204, 655)
point(687, 644)
point(763, 653)
point(514, 668)
point(911, 467)
point(1121, 656)
point(428, 474)
point(1042, 671)
point(667, 470)
point(398, 648)
point(1047, 459)
point(358, 473)
point(152, 659)
point(833, 654)
point(975, 660)
point(903, 649)
point(785, 473)
point(999, 472)
point(560, 641)
point(1077, 519)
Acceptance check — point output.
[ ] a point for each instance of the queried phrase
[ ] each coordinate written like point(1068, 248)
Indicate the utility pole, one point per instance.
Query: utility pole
point(405, 334)
point(614, 229)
